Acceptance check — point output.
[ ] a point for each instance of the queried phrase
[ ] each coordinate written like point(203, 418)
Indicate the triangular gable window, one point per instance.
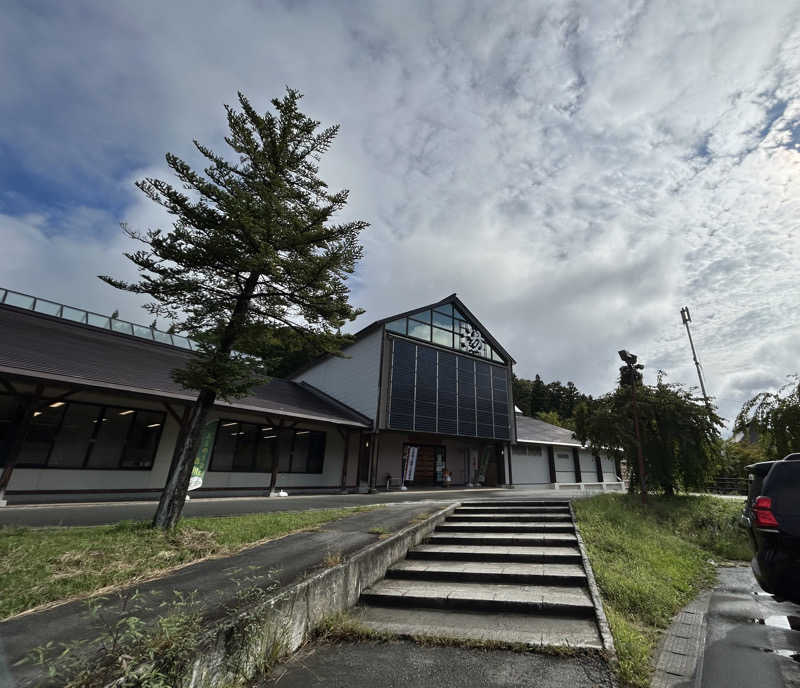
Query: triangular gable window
point(445, 326)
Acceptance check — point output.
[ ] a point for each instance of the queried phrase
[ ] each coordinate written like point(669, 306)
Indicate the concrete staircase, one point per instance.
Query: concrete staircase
point(507, 571)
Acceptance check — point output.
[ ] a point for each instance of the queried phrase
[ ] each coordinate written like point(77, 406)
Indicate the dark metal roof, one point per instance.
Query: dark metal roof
point(39, 346)
point(535, 430)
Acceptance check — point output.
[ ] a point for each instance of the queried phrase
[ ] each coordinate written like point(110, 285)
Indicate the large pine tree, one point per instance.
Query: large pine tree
point(252, 250)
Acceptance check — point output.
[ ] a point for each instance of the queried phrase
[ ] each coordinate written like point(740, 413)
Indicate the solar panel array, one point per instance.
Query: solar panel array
point(437, 391)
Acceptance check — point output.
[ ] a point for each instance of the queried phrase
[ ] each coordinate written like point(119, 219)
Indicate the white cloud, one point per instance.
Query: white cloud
point(576, 171)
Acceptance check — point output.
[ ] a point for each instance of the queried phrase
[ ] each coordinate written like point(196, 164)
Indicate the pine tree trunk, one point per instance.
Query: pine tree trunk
point(174, 495)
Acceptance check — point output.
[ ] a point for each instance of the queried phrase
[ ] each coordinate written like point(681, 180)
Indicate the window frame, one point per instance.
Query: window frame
point(255, 454)
point(103, 409)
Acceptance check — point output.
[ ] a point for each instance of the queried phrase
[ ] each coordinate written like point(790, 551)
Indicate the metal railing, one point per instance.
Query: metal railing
point(80, 315)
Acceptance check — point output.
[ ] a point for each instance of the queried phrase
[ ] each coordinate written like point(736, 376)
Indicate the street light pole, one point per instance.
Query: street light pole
point(687, 318)
point(630, 360)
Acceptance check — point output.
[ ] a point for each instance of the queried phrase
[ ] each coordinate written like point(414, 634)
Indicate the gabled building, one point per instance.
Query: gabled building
point(420, 399)
point(436, 386)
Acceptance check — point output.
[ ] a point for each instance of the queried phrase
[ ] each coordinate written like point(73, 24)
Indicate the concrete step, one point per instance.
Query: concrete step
point(534, 630)
point(468, 508)
point(500, 517)
point(496, 553)
point(488, 572)
point(505, 527)
point(527, 599)
point(517, 502)
point(516, 539)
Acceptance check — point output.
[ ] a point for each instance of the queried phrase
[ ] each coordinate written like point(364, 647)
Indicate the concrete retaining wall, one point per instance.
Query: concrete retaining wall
point(236, 648)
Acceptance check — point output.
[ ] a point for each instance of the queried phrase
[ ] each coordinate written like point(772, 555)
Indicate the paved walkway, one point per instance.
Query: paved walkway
point(402, 664)
point(99, 513)
point(734, 635)
point(215, 583)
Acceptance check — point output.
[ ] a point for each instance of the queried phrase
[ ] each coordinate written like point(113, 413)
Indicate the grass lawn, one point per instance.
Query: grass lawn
point(651, 561)
point(41, 565)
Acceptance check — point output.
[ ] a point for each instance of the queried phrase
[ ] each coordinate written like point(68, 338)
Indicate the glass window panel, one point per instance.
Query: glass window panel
point(443, 337)
point(419, 330)
point(73, 314)
point(19, 300)
point(225, 445)
point(140, 449)
point(245, 454)
point(109, 442)
point(300, 451)
point(267, 446)
point(40, 437)
point(398, 326)
point(47, 307)
point(75, 435)
point(442, 320)
point(316, 452)
point(182, 342)
point(446, 308)
point(141, 331)
point(163, 337)
point(9, 407)
point(99, 320)
point(285, 440)
point(121, 326)
point(422, 316)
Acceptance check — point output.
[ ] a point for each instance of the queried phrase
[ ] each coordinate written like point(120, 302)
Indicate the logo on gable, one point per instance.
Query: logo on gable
point(471, 339)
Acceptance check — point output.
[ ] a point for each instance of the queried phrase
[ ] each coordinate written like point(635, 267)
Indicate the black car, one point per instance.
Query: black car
point(772, 518)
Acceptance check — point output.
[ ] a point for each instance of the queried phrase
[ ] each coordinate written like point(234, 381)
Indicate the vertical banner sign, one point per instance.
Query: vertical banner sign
point(411, 463)
point(485, 454)
point(203, 455)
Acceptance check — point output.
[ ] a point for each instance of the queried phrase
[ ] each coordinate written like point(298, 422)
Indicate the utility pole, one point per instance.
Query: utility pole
point(630, 362)
point(686, 320)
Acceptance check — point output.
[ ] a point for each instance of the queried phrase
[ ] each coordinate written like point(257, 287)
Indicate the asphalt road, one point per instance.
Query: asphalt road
point(100, 513)
point(752, 639)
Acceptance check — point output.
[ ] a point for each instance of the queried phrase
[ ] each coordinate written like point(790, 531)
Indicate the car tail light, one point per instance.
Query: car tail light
point(762, 509)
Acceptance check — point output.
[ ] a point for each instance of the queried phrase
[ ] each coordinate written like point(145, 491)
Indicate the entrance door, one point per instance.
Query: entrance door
point(430, 465)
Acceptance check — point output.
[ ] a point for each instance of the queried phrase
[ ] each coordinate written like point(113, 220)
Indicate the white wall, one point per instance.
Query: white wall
point(528, 468)
point(565, 466)
point(354, 380)
point(588, 466)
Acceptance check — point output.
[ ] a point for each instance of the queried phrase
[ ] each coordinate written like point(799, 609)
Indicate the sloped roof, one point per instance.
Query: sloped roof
point(453, 298)
point(535, 430)
point(43, 347)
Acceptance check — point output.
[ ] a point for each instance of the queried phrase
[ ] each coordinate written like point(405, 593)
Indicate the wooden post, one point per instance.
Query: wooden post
point(346, 437)
point(552, 461)
point(19, 434)
point(576, 461)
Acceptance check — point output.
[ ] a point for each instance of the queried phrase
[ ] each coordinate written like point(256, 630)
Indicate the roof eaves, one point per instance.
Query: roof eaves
point(335, 402)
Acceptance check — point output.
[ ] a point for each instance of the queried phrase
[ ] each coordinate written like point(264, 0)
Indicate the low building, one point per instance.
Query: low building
point(419, 399)
point(546, 455)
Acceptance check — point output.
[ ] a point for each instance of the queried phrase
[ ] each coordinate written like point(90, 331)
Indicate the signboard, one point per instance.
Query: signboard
point(411, 464)
point(203, 455)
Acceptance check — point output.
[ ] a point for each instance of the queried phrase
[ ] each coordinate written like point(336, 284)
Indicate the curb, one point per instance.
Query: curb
point(679, 658)
point(594, 591)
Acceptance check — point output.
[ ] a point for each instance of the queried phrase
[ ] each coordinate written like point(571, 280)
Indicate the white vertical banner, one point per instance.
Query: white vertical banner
point(411, 463)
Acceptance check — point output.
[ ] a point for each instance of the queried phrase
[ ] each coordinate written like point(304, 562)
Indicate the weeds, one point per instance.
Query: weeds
point(651, 561)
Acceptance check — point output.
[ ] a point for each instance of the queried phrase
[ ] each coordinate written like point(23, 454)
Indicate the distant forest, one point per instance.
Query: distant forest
point(552, 402)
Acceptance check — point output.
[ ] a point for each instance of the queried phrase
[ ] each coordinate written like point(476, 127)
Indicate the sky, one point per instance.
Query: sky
point(576, 171)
